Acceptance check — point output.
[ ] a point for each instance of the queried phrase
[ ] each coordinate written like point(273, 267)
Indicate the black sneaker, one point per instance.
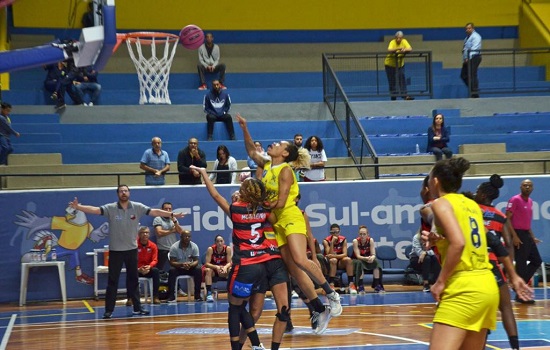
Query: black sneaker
point(199, 299)
point(518, 300)
point(107, 315)
point(141, 311)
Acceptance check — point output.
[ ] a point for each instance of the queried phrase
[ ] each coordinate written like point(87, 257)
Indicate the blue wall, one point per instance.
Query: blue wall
point(388, 208)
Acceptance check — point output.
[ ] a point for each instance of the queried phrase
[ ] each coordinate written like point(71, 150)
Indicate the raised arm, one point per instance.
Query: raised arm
point(88, 209)
point(249, 143)
point(218, 198)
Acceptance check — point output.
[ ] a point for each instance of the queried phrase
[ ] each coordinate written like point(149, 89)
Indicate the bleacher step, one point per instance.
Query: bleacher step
point(35, 159)
point(482, 148)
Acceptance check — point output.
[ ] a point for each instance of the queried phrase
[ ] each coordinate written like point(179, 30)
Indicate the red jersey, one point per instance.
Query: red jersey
point(219, 258)
point(250, 245)
point(338, 246)
point(493, 220)
point(364, 248)
point(147, 254)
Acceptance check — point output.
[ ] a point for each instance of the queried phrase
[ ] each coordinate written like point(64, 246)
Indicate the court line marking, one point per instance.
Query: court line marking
point(395, 337)
point(88, 306)
point(7, 334)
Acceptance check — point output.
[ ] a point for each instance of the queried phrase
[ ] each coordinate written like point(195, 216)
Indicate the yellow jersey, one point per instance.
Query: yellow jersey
point(271, 181)
point(470, 218)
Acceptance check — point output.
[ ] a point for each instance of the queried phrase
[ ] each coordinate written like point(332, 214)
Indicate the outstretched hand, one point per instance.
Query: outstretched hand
point(74, 203)
point(200, 170)
point(242, 121)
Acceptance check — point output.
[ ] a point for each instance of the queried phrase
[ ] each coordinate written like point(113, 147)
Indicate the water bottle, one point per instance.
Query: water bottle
point(54, 255)
point(106, 255)
point(417, 149)
point(536, 279)
point(43, 256)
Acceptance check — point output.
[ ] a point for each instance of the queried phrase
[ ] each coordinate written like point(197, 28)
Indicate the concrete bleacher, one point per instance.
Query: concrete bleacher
point(273, 73)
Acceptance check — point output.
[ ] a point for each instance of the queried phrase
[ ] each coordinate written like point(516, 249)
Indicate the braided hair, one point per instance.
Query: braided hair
point(253, 192)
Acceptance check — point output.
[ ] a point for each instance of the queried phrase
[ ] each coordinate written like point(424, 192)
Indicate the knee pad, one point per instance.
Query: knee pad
point(284, 315)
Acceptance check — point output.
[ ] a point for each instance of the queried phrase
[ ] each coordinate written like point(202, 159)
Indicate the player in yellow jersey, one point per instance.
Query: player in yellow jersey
point(290, 229)
point(466, 289)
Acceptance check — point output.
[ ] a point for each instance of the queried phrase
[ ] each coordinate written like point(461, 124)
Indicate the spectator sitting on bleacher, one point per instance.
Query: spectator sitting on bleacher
point(147, 262)
point(364, 259)
point(438, 137)
point(209, 61)
point(336, 252)
point(59, 79)
point(86, 82)
point(424, 261)
point(217, 264)
point(216, 105)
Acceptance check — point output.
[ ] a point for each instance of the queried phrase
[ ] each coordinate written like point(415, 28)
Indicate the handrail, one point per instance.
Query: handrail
point(118, 175)
point(350, 118)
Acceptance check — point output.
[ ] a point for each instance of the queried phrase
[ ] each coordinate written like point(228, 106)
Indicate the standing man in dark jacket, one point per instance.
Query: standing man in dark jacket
point(191, 155)
point(216, 106)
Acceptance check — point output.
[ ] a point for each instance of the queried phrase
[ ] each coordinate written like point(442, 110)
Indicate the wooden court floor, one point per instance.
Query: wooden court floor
point(398, 319)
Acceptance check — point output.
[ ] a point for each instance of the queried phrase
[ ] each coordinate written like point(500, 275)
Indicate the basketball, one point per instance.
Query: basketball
point(191, 37)
point(244, 175)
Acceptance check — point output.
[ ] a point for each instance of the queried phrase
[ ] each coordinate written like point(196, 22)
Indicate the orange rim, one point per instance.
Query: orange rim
point(145, 38)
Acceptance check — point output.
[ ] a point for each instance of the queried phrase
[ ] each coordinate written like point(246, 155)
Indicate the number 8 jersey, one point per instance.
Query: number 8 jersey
point(470, 219)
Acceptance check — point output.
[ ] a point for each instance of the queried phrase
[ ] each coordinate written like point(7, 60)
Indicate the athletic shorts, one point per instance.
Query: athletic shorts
point(245, 280)
point(499, 274)
point(276, 273)
point(289, 221)
point(469, 301)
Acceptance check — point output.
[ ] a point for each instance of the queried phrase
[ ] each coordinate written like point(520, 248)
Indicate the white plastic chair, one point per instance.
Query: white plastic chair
point(147, 287)
point(190, 284)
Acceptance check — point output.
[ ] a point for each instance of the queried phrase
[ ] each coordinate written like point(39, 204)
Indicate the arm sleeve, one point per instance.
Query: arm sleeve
point(216, 55)
point(233, 166)
point(446, 135)
point(429, 145)
point(213, 176)
point(493, 242)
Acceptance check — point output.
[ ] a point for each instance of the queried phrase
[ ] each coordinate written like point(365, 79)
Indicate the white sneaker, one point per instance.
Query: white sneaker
point(322, 320)
point(295, 295)
point(209, 298)
point(181, 293)
point(259, 347)
point(90, 104)
point(334, 301)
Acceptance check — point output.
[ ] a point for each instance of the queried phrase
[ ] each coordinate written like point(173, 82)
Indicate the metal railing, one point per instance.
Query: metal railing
point(528, 71)
point(357, 143)
point(122, 177)
point(376, 74)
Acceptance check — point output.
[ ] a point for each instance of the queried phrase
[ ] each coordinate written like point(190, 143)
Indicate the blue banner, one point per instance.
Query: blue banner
point(389, 208)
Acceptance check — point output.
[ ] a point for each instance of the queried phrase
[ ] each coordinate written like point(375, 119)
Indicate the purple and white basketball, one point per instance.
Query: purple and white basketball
point(191, 37)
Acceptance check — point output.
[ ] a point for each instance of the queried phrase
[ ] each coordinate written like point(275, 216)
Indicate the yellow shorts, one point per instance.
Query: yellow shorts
point(289, 220)
point(469, 301)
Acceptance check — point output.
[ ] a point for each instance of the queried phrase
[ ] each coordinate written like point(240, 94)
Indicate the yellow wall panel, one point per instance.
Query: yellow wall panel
point(280, 14)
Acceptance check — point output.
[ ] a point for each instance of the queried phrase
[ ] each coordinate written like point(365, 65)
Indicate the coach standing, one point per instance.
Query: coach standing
point(123, 217)
point(520, 213)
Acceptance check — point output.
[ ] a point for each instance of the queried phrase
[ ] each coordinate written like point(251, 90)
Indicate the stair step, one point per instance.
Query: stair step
point(482, 148)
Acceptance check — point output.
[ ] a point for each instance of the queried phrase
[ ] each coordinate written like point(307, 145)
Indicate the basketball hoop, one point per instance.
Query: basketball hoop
point(153, 72)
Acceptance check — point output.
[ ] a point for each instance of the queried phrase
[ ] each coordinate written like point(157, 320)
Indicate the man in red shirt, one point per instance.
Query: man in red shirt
point(147, 262)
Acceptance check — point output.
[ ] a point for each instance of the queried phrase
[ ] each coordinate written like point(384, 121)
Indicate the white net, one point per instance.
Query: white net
point(153, 72)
